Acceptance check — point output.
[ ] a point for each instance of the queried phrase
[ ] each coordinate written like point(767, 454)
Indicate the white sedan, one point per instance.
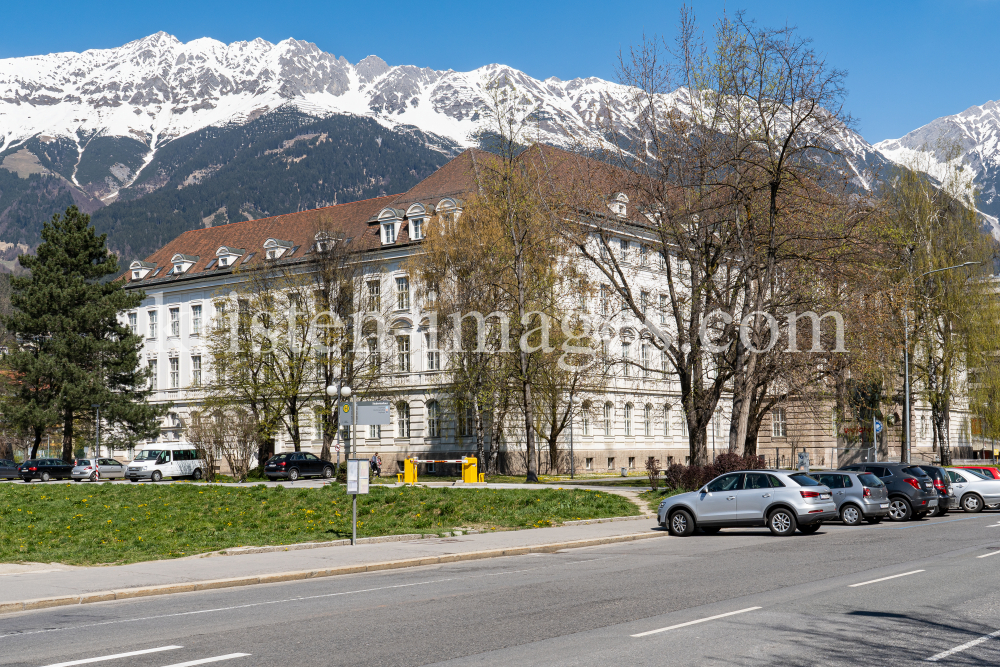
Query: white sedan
point(974, 492)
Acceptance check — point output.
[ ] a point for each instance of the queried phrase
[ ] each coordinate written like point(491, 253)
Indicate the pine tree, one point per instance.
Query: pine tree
point(73, 352)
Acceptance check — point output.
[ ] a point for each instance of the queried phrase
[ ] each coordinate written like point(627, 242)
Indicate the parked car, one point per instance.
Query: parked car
point(292, 465)
point(974, 492)
point(778, 499)
point(45, 469)
point(859, 495)
point(8, 469)
point(108, 468)
point(159, 461)
point(911, 490)
point(985, 471)
point(942, 483)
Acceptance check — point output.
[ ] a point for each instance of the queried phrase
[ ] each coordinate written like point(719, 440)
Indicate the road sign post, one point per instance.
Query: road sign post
point(357, 483)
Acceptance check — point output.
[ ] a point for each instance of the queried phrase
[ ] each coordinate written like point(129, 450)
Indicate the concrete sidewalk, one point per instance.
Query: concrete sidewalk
point(56, 585)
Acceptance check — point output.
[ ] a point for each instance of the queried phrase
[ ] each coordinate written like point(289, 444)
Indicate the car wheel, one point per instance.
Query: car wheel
point(874, 520)
point(77, 479)
point(27, 480)
point(810, 529)
point(197, 474)
point(680, 523)
point(156, 476)
point(899, 509)
point(711, 530)
point(917, 516)
point(850, 515)
point(93, 477)
point(45, 477)
point(972, 503)
point(327, 472)
point(781, 522)
point(293, 475)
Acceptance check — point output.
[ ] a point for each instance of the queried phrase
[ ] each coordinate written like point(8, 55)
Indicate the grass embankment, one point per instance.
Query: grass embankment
point(653, 498)
point(105, 523)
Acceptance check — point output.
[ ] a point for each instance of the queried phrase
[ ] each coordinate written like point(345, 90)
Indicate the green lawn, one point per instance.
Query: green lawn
point(653, 498)
point(105, 523)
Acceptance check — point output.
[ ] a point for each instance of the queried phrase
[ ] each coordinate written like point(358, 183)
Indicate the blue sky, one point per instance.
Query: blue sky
point(908, 62)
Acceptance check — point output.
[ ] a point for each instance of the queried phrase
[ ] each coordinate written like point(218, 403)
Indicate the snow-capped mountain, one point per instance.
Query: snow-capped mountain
point(157, 89)
point(976, 131)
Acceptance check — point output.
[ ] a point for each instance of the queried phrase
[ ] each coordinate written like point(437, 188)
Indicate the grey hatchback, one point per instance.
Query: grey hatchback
point(859, 495)
point(911, 490)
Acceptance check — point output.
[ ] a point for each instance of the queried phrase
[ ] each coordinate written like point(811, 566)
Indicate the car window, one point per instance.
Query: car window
point(977, 474)
point(832, 481)
point(879, 471)
point(956, 478)
point(310, 457)
point(729, 482)
point(775, 482)
point(83, 462)
point(846, 481)
point(851, 468)
point(803, 479)
point(868, 479)
point(915, 471)
point(756, 480)
point(296, 457)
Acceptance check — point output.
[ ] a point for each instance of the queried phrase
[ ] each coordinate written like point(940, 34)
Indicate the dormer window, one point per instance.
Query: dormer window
point(274, 249)
point(417, 215)
point(182, 263)
point(619, 204)
point(388, 233)
point(140, 269)
point(416, 229)
point(228, 256)
point(389, 220)
point(448, 209)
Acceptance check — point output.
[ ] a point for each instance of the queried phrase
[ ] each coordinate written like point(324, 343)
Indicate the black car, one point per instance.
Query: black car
point(911, 490)
point(8, 469)
point(292, 465)
point(45, 469)
point(942, 484)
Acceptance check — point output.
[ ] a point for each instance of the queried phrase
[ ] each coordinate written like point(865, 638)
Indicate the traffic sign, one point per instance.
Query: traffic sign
point(374, 413)
point(878, 426)
point(346, 414)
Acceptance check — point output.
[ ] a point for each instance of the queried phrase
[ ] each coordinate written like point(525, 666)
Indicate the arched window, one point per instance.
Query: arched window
point(607, 420)
point(433, 419)
point(585, 417)
point(666, 421)
point(466, 420)
point(647, 420)
point(403, 419)
point(628, 419)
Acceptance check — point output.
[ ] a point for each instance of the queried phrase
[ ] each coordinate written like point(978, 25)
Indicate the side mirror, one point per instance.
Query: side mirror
point(704, 489)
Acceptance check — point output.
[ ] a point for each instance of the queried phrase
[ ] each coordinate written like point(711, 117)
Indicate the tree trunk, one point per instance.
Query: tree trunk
point(529, 413)
point(39, 431)
point(480, 437)
point(67, 448)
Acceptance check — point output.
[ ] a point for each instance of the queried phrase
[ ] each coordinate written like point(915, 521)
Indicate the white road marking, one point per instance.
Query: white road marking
point(992, 553)
point(700, 620)
point(205, 661)
point(875, 581)
point(966, 645)
point(87, 661)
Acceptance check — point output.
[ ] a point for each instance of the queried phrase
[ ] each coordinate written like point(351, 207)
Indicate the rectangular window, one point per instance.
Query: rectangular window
point(402, 293)
point(373, 355)
point(611, 463)
point(628, 419)
point(586, 422)
point(663, 309)
point(403, 419)
point(374, 432)
point(467, 421)
point(644, 350)
point(779, 423)
point(623, 244)
point(663, 363)
point(175, 372)
point(684, 425)
point(607, 420)
point(605, 300)
point(663, 261)
point(644, 302)
point(195, 320)
point(589, 464)
point(666, 421)
point(374, 296)
point(403, 354)
point(175, 321)
point(133, 323)
point(154, 381)
point(220, 315)
point(644, 255)
point(417, 229)
point(152, 324)
point(647, 421)
point(625, 358)
point(196, 371)
point(433, 355)
point(389, 233)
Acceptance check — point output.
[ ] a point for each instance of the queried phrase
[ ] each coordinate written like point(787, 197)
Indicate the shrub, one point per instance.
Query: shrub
point(692, 477)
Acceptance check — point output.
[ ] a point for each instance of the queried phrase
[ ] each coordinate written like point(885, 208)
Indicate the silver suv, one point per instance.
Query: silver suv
point(778, 499)
point(859, 495)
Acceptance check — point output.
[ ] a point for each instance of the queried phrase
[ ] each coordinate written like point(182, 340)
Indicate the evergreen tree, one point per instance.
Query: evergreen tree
point(73, 352)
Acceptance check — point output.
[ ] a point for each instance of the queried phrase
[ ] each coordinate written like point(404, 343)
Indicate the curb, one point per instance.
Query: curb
point(277, 577)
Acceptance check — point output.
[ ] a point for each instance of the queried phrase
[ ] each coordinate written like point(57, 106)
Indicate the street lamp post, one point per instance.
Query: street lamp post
point(572, 459)
point(906, 363)
point(97, 443)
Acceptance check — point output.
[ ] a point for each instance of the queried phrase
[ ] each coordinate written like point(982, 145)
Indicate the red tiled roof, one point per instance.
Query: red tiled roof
point(456, 179)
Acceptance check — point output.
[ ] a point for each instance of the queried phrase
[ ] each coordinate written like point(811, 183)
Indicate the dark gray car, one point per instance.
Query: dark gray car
point(860, 496)
point(942, 484)
point(8, 469)
point(911, 490)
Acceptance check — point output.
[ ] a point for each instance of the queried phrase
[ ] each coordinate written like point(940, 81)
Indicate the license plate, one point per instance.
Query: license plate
point(824, 496)
point(932, 503)
point(884, 505)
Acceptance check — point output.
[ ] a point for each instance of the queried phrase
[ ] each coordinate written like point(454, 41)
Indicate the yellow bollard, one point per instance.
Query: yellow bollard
point(482, 478)
point(470, 472)
point(409, 471)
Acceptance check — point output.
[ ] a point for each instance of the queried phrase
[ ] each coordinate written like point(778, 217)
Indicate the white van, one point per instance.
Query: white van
point(156, 461)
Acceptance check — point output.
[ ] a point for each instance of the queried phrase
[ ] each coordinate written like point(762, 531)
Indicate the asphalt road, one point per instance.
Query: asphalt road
point(740, 597)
